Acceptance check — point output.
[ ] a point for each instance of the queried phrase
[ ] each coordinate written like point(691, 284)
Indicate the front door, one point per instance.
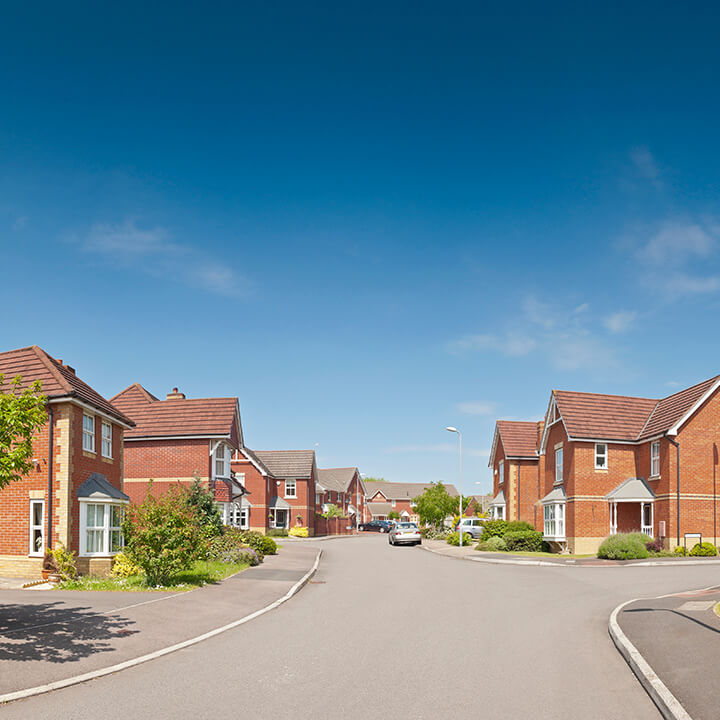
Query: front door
point(280, 518)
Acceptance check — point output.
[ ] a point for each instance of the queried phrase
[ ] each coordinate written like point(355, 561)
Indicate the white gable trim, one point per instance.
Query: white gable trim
point(675, 429)
point(496, 438)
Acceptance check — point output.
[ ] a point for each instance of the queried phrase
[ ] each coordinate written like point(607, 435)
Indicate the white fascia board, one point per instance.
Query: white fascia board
point(546, 426)
point(522, 457)
point(90, 408)
point(675, 429)
point(178, 437)
point(496, 436)
point(252, 462)
point(609, 441)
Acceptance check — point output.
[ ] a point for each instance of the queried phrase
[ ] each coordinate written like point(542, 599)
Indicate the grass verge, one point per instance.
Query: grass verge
point(201, 573)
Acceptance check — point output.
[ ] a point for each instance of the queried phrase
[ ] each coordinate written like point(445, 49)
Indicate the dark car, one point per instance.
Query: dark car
point(382, 526)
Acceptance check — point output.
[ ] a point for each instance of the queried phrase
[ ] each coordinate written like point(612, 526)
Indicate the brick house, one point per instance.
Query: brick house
point(611, 465)
point(280, 486)
point(177, 440)
point(344, 488)
point(514, 459)
point(386, 497)
point(74, 496)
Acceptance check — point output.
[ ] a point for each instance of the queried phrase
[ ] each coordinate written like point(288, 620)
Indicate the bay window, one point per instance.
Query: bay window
point(88, 439)
point(601, 453)
point(100, 529)
point(554, 517)
point(655, 459)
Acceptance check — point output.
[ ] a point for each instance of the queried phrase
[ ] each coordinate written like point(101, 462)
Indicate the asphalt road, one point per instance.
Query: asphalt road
point(385, 632)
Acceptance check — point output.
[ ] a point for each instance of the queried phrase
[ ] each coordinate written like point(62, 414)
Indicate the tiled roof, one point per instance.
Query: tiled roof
point(176, 417)
point(403, 491)
point(379, 508)
point(336, 479)
point(58, 380)
point(519, 439)
point(287, 463)
point(633, 489)
point(617, 417)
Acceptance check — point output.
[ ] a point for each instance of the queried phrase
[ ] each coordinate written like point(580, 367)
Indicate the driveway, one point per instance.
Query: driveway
point(401, 631)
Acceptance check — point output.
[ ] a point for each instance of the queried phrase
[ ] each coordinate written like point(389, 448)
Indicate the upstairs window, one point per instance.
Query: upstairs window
point(655, 458)
point(290, 488)
point(89, 433)
point(106, 439)
point(222, 461)
point(559, 465)
point(601, 453)
point(501, 472)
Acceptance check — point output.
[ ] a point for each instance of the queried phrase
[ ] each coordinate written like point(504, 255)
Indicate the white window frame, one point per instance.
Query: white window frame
point(501, 469)
point(290, 484)
point(603, 455)
point(498, 512)
point(88, 436)
point(106, 439)
point(554, 521)
point(559, 466)
point(655, 459)
point(34, 552)
point(106, 528)
point(221, 458)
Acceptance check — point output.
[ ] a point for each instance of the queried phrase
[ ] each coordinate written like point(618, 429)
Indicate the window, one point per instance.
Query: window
point(106, 439)
point(237, 516)
point(554, 516)
point(498, 512)
point(222, 461)
point(89, 433)
point(501, 466)
point(559, 465)
point(601, 453)
point(102, 529)
point(655, 458)
point(37, 527)
point(393, 503)
point(290, 488)
point(317, 498)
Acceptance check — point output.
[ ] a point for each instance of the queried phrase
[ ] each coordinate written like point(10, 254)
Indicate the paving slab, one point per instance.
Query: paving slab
point(50, 636)
point(679, 637)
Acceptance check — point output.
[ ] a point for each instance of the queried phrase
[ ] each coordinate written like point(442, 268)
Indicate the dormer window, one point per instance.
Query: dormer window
point(601, 453)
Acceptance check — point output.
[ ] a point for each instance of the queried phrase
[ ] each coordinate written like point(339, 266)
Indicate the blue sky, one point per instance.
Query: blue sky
point(366, 220)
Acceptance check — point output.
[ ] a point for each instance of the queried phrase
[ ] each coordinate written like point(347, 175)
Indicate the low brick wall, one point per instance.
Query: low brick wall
point(333, 526)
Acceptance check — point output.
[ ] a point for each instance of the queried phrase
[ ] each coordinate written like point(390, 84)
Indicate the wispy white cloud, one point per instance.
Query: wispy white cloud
point(646, 166)
point(151, 250)
point(677, 242)
point(620, 321)
point(513, 345)
point(476, 408)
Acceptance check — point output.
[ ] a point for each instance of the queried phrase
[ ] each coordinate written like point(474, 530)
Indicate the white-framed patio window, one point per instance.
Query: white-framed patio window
point(222, 461)
point(37, 528)
point(497, 512)
point(290, 488)
point(554, 520)
point(558, 466)
point(501, 469)
point(106, 439)
point(601, 456)
point(101, 529)
point(655, 459)
point(88, 440)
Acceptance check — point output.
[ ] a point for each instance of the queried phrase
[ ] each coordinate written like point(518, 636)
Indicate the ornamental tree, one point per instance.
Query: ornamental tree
point(22, 414)
point(435, 504)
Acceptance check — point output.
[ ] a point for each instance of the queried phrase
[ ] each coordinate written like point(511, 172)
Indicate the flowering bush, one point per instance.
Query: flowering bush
point(707, 549)
point(258, 542)
point(299, 532)
point(230, 548)
point(124, 566)
point(64, 562)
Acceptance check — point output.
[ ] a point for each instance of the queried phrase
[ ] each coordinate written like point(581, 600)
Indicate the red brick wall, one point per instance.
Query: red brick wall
point(527, 492)
point(257, 486)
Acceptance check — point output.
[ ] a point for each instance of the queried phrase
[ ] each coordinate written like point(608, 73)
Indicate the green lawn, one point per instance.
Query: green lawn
point(201, 573)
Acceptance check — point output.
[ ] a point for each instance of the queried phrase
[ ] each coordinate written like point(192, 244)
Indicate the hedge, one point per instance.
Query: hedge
point(526, 540)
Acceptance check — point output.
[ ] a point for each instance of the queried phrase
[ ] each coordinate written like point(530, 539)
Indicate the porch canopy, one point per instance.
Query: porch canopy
point(278, 503)
point(633, 490)
point(498, 500)
point(497, 506)
point(96, 487)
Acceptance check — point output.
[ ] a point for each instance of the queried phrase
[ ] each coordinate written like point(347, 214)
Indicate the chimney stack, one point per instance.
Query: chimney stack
point(175, 395)
point(67, 367)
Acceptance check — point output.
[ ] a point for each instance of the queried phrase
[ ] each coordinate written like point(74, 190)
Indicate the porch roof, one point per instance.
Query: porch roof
point(632, 490)
point(555, 495)
point(278, 503)
point(498, 500)
point(97, 487)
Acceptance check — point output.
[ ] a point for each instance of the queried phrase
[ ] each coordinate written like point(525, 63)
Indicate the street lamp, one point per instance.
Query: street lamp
point(459, 434)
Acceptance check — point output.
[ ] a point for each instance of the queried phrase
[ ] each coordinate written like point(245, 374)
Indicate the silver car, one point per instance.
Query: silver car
point(470, 526)
point(405, 533)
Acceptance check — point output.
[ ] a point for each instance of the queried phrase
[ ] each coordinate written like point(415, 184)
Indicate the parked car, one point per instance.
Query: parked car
point(471, 526)
point(405, 533)
point(381, 526)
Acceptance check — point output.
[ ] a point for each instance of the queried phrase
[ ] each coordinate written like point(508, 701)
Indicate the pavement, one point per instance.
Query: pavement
point(384, 631)
point(678, 635)
point(46, 637)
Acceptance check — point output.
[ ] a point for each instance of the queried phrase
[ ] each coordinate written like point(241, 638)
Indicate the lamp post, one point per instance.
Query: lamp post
point(459, 434)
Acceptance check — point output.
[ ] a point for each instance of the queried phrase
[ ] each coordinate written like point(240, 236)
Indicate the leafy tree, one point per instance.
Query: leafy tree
point(163, 535)
point(201, 500)
point(373, 479)
point(22, 413)
point(435, 504)
point(393, 515)
point(332, 511)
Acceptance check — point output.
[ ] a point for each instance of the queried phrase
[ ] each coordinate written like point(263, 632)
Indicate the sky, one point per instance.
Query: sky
point(366, 220)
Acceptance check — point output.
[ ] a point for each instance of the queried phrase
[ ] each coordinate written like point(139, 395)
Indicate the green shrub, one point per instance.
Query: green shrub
point(124, 567)
point(453, 538)
point(432, 533)
point(525, 540)
point(230, 548)
point(680, 550)
point(202, 502)
point(492, 544)
point(332, 511)
point(630, 546)
point(260, 543)
point(65, 565)
point(494, 528)
point(707, 549)
point(518, 525)
point(277, 532)
point(163, 535)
